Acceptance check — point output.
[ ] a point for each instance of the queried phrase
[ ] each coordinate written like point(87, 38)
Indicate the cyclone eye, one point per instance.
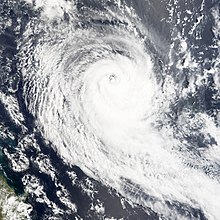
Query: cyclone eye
point(112, 78)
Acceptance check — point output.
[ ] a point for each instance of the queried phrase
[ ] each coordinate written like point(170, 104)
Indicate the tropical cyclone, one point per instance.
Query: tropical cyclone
point(95, 92)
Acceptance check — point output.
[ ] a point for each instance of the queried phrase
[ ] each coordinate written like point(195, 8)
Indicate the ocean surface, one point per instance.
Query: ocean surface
point(110, 109)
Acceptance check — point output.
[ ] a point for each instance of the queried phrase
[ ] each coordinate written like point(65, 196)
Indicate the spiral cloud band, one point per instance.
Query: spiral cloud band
point(95, 90)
